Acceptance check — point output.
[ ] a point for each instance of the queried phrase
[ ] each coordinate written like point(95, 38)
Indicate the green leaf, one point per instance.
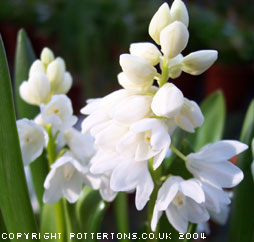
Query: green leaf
point(214, 111)
point(90, 210)
point(3, 228)
point(14, 200)
point(242, 219)
point(23, 60)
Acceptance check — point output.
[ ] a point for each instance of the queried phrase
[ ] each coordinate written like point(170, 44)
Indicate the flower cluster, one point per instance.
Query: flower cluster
point(132, 127)
point(69, 151)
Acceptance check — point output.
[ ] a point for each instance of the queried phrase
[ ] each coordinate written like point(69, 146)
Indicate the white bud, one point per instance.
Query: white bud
point(168, 101)
point(137, 70)
point(55, 73)
point(37, 66)
point(190, 116)
point(179, 12)
point(160, 20)
point(47, 56)
point(199, 61)
point(65, 85)
point(174, 39)
point(146, 51)
point(36, 90)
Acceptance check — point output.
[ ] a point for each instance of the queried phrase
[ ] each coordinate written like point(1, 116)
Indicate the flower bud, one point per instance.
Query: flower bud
point(65, 85)
point(146, 51)
point(37, 66)
point(168, 101)
point(179, 12)
point(47, 56)
point(36, 90)
point(137, 70)
point(174, 39)
point(190, 116)
point(160, 20)
point(55, 73)
point(199, 61)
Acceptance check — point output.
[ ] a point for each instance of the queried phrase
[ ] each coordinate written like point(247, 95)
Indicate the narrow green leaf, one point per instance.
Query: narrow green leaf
point(14, 200)
point(23, 60)
point(242, 219)
point(213, 108)
point(90, 211)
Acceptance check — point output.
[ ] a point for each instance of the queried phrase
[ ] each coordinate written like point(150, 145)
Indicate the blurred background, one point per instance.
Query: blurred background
point(91, 34)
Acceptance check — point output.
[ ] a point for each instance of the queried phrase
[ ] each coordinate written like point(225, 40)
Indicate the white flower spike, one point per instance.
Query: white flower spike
point(31, 138)
point(211, 163)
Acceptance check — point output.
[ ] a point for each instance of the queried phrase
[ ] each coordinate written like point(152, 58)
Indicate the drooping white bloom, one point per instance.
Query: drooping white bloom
point(211, 163)
point(173, 39)
point(36, 90)
point(138, 70)
point(179, 12)
point(31, 139)
point(147, 138)
point(66, 178)
point(168, 101)
point(146, 51)
point(47, 56)
point(105, 190)
point(190, 116)
point(182, 200)
point(58, 112)
point(198, 62)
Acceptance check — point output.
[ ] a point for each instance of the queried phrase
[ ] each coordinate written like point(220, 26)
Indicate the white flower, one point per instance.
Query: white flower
point(106, 192)
point(81, 145)
point(58, 112)
point(173, 39)
point(182, 201)
point(190, 116)
point(168, 101)
point(146, 51)
point(211, 163)
point(60, 80)
point(179, 12)
point(147, 138)
point(36, 90)
point(66, 178)
point(221, 217)
point(160, 20)
point(198, 62)
point(47, 56)
point(138, 70)
point(31, 139)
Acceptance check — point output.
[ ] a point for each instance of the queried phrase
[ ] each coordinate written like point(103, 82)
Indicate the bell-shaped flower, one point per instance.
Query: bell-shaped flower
point(147, 138)
point(66, 178)
point(81, 145)
point(190, 116)
point(174, 39)
point(138, 70)
point(47, 56)
point(168, 101)
point(211, 163)
point(36, 90)
point(160, 20)
point(179, 12)
point(199, 61)
point(146, 51)
point(60, 80)
point(129, 175)
point(58, 112)
point(182, 200)
point(31, 139)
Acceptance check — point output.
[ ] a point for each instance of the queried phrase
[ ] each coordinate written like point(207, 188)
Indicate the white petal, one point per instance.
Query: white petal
point(160, 20)
point(106, 192)
point(221, 217)
point(179, 12)
point(146, 51)
point(198, 62)
point(158, 159)
point(37, 66)
point(92, 106)
point(168, 101)
point(155, 219)
point(47, 56)
point(174, 39)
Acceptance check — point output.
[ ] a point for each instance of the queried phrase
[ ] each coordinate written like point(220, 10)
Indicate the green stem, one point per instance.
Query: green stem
point(191, 229)
point(51, 147)
point(164, 73)
point(178, 153)
point(121, 213)
point(156, 179)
